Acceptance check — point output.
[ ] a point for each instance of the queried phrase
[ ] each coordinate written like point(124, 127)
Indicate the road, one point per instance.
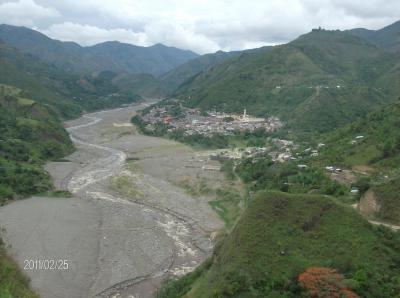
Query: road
point(120, 240)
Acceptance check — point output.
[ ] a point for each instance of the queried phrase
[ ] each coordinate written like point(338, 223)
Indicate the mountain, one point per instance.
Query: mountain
point(387, 38)
point(44, 83)
point(145, 85)
point(175, 77)
point(155, 60)
point(30, 134)
point(114, 56)
point(66, 93)
point(377, 151)
point(322, 80)
point(282, 237)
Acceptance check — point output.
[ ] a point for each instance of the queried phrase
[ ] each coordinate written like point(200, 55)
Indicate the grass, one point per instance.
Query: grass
point(25, 101)
point(124, 185)
point(9, 90)
point(388, 196)
point(13, 282)
point(197, 187)
point(56, 194)
point(131, 165)
point(280, 235)
point(323, 58)
point(227, 205)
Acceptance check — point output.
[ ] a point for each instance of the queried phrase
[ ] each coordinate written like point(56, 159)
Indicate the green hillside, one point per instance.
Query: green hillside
point(320, 81)
point(380, 143)
point(387, 38)
point(174, 78)
point(13, 283)
point(155, 60)
point(373, 143)
point(280, 236)
point(38, 79)
point(145, 85)
point(67, 94)
point(113, 56)
point(30, 134)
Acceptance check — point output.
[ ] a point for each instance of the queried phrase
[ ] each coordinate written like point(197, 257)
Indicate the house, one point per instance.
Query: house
point(354, 191)
point(167, 119)
point(302, 166)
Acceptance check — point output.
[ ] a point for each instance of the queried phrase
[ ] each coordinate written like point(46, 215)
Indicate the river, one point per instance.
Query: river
point(128, 225)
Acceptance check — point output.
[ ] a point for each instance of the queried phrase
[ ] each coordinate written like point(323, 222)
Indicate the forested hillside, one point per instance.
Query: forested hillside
point(372, 144)
point(316, 83)
point(295, 245)
point(387, 38)
point(113, 56)
point(180, 74)
point(66, 93)
point(30, 134)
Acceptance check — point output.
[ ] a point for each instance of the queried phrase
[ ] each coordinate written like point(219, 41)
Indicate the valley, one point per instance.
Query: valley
point(147, 170)
point(117, 241)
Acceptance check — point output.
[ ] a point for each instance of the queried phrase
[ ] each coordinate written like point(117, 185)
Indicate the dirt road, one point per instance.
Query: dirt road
point(126, 228)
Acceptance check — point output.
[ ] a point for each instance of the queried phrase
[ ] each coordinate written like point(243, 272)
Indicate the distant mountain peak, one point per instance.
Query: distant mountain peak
point(387, 38)
point(110, 55)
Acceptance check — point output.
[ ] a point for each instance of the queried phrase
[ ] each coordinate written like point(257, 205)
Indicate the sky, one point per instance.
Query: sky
point(202, 26)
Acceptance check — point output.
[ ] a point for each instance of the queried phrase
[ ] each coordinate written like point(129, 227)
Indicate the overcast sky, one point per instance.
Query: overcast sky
point(202, 26)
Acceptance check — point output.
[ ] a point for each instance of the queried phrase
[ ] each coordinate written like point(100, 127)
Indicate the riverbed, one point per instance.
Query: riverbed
point(129, 224)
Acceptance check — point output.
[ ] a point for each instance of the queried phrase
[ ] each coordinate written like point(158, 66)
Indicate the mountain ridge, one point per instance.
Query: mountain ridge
point(387, 38)
point(298, 81)
point(75, 58)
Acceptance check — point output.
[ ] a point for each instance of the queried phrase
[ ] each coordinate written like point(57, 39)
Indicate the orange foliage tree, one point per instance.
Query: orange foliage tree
point(324, 283)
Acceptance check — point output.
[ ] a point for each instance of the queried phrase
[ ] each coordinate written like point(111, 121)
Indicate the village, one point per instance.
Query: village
point(210, 123)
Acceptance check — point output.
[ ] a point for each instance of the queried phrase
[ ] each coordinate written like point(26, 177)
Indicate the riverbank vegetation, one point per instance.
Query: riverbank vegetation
point(280, 236)
point(13, 283)
point(30, 135)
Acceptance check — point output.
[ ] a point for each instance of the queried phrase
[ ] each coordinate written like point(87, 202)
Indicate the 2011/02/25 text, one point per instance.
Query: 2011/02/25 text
point(51, 264)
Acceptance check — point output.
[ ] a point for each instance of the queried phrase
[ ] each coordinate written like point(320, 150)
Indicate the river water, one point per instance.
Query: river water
point(115, 244)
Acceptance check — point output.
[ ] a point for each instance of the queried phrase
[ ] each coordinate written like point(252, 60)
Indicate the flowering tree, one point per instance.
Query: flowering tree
point(324, 283)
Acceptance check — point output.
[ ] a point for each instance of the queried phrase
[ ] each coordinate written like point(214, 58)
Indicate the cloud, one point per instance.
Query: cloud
point(25, 13)
point(89, 35)
point(202, 26)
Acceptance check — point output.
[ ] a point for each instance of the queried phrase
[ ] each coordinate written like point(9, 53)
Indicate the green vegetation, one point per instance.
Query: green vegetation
point(388, 198)
point(377, 149)
point(124, 185)
point(30, 134)
point(174, 78)
point(13, 283)
point(280, 236)
point(387, 38)
point(66, 94)
point(198, 188)
point(217, 141)
point(227, 205)
point(57, 194)
point(114, 56)
point(299, 82)
point(261, 173)
point(379, 146)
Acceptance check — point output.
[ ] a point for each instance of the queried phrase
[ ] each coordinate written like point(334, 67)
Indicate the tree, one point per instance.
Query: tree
point(324, 283)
